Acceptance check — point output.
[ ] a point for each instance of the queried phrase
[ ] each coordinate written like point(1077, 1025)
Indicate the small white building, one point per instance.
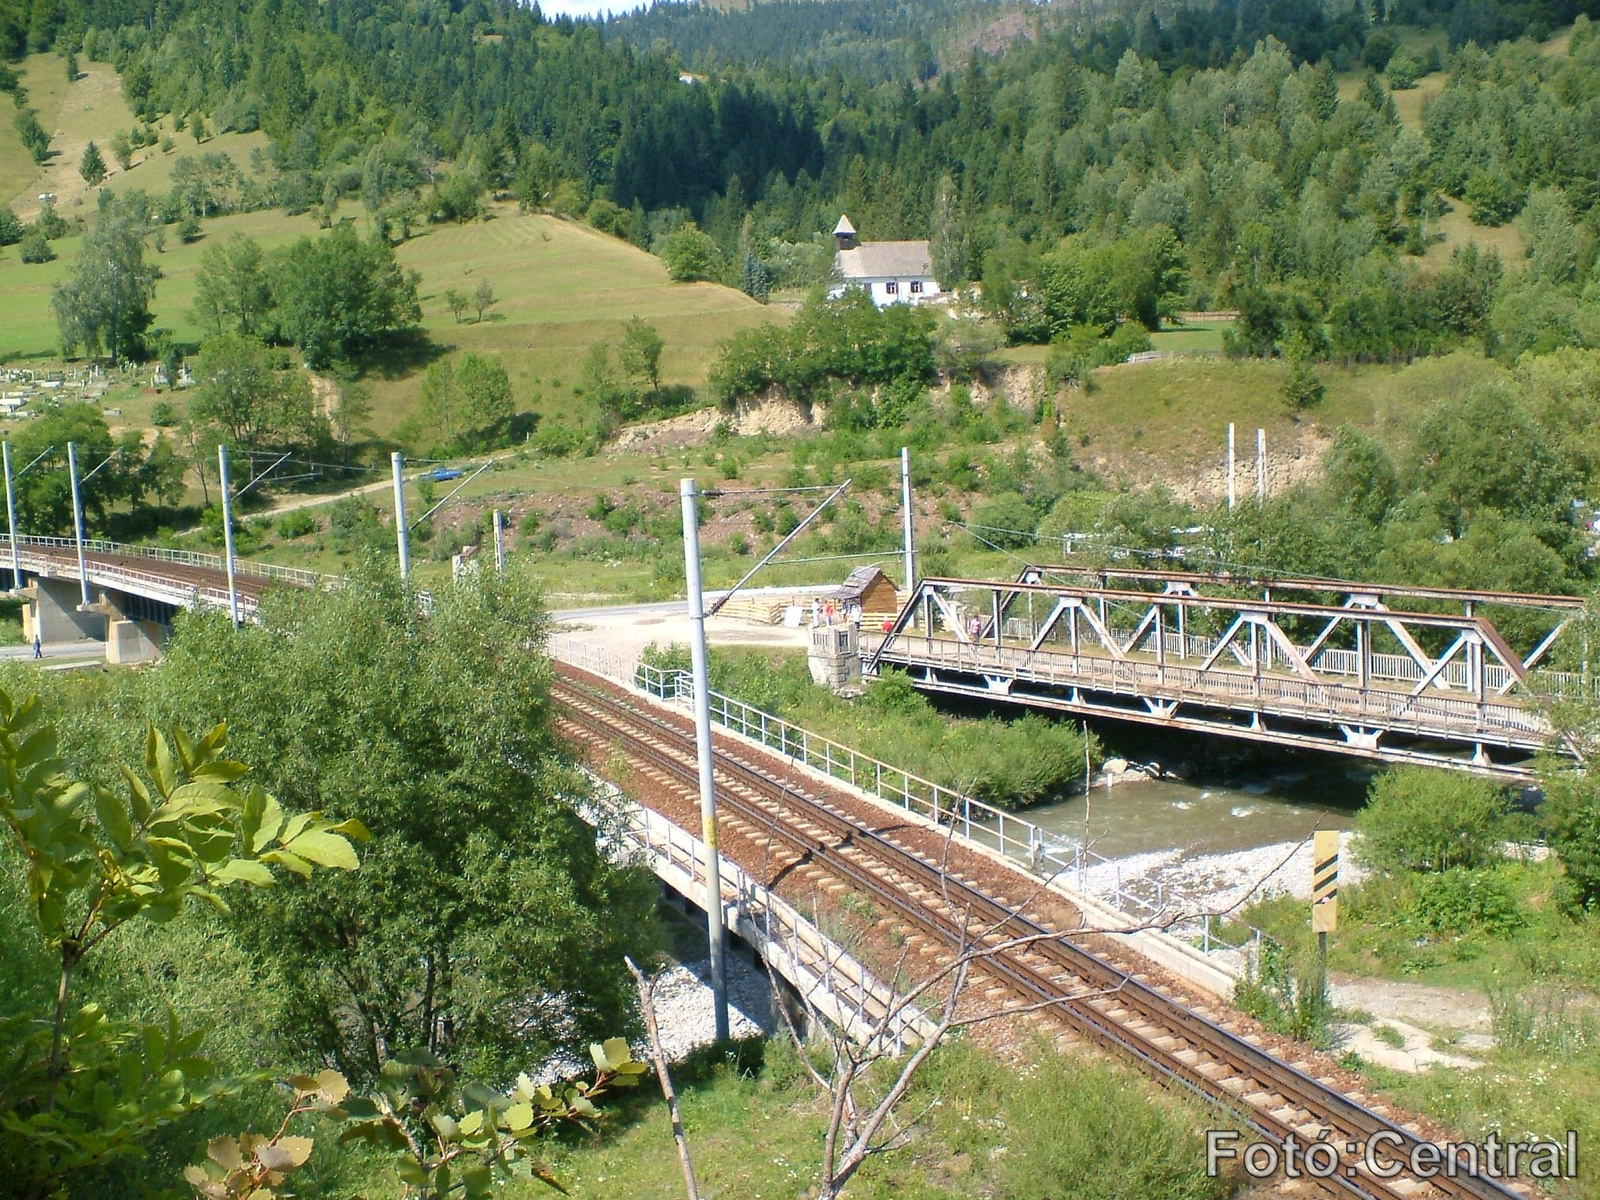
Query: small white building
point(891, 272)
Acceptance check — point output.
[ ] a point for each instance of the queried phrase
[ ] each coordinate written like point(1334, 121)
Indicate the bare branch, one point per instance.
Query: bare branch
point(648, 1006)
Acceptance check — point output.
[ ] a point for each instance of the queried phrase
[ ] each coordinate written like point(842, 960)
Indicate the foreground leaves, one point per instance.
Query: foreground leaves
point(80, 1088)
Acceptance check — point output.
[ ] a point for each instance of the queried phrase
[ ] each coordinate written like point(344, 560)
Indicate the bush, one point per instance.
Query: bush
point(1287, 994)
point(296, 523)
point(1421, 819)
point(35, 247)
point(1008, 520)
point(1494, 197)
point(1303, 389)
point(1461, 899)
point(1571, 815)
point(690, 254)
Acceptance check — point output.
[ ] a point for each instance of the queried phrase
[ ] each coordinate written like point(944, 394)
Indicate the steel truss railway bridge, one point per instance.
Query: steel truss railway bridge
point(1395, 674)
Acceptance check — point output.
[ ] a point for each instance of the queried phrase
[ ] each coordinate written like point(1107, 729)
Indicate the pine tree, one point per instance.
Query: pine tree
point(755, 280)
point(93, 166)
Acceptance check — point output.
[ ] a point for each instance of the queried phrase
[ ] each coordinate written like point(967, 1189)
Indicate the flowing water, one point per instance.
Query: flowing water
point(1240, 811)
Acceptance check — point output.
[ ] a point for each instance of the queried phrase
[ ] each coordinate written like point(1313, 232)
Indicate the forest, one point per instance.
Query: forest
point(1103, 131)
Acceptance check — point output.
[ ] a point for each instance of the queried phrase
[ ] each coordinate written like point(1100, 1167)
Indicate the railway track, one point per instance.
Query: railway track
point(1100, 998)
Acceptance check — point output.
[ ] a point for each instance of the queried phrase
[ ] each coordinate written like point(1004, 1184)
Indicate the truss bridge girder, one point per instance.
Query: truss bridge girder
point(1357, 677)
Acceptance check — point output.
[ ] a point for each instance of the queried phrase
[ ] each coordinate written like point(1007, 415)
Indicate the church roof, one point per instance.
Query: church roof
point(873, 260)
point(843, 226)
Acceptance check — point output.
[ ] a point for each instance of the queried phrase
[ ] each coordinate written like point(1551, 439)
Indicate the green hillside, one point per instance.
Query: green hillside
point(562, 287)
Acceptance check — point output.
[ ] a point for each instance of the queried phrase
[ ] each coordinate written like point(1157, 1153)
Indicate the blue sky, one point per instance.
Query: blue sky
point(585, 8)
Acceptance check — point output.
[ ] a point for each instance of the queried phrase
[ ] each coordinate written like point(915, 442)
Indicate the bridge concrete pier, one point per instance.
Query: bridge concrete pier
point(51, 611)
point(129, 640)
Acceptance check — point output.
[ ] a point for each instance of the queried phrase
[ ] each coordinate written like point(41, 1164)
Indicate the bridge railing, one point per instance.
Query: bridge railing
point(980, 824)
point(297, 576)
point(1396, 668)
point(1432, 713)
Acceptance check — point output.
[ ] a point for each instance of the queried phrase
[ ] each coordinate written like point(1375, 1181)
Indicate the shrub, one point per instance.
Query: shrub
point(1494, 197)
point(1303, 389)
point(1461, 899)
point(1007, 520)
point(1571, 815)
point(1287, 994)
point(1421, 819)
point(296, 523)
point(35, 247)
point(690, 254)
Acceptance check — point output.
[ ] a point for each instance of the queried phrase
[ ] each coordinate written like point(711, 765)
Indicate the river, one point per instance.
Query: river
point(1241, 811)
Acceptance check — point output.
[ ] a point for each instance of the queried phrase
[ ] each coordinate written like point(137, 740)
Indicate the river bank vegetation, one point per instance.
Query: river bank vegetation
point(1009, 763)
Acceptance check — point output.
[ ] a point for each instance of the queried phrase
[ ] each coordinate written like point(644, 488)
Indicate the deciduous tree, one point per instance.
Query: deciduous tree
point(105, 306)
point(486, 924)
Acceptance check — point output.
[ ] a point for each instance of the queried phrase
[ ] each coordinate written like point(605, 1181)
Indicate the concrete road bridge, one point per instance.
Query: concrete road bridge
point(1396, 674)
point(133, 591)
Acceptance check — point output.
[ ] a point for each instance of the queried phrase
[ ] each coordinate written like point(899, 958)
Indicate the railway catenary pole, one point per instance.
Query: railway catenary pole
point(11, 519)
point(499, 542)
point(905, 513)
point(77, 521)
point(1261, 465)
point(225, 487)
point(690, 498)
point(397, 461)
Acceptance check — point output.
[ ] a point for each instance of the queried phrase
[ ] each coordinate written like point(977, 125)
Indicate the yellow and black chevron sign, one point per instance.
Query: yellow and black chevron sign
point(1325, 881)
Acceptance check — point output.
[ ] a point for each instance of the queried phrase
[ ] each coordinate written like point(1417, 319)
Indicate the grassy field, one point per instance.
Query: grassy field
point(562, 287)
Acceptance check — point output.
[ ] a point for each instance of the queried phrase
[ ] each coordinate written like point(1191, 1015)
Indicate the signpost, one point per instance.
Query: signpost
point(1324, 894)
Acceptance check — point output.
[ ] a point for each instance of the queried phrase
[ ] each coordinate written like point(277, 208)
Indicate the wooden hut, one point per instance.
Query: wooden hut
point(873, 590)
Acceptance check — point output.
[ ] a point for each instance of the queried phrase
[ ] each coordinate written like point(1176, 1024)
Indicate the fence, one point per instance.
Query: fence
point(973, 821)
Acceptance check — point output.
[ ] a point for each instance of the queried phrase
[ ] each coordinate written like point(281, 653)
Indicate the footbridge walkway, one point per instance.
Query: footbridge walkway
point(1422, 675)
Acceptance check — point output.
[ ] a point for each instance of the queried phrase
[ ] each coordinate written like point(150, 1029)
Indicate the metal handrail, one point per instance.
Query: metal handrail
point(971, 820)
point(191, 558)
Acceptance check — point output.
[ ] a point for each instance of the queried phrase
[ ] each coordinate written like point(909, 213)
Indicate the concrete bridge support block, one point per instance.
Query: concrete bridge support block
point(51, 611)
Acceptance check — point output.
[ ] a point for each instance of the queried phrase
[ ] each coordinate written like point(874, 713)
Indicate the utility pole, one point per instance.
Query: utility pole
point(702, 740)
point(398, 463)
point(1230, 466)
point(227, 532)
point(499, 542)
point(77, 520)
point(1261, 465)
point(11, 519)
point(905, 510)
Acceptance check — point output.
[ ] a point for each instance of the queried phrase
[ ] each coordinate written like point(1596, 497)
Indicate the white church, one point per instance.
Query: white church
point(891, 272)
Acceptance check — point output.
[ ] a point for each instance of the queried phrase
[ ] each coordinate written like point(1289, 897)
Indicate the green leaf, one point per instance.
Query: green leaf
point(244, 870)
point(113, 819)
point(261, 820)
point(518, 1117)
point(158, 758)
point(138, 796)
point(471, 1123)
point(221, 770)
point(292, 862)
point(325, 850)
point(351, 829)
point(224, 1151)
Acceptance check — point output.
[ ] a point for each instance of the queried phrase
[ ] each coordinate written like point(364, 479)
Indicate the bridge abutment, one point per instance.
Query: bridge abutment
point(51, 611)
